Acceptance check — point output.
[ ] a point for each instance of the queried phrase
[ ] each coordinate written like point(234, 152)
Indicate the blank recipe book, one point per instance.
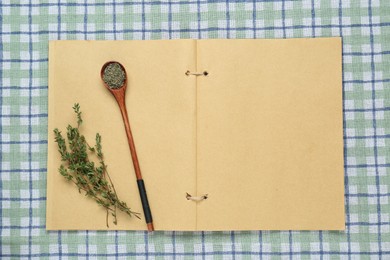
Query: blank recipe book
point(254, 124)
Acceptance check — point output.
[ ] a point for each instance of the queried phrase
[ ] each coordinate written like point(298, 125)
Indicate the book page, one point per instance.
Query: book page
point(161, 106)
point(270, 135)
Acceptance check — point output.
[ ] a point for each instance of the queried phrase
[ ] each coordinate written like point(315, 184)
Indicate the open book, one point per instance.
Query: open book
point(261, 133)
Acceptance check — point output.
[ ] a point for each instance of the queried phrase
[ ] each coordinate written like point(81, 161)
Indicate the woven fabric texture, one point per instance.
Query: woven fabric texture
point(27, 26)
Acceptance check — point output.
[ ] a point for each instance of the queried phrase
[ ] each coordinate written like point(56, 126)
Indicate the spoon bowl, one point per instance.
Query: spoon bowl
point(124, 84)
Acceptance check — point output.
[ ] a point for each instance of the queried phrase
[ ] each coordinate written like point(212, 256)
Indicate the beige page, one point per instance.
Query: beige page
point(262, 134)
point(269, 135)
point(161, 106)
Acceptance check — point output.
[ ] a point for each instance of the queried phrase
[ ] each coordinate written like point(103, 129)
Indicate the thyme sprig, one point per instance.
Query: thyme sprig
point(89, 177)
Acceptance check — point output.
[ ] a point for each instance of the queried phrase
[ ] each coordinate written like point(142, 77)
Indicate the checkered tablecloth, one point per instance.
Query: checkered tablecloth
point(27, 26)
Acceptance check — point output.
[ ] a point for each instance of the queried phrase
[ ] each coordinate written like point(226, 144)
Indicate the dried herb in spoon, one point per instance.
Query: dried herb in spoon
point(92, 179)
point(114, 76)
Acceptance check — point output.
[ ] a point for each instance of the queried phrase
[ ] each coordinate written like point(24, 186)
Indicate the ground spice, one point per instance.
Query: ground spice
point(114, 76)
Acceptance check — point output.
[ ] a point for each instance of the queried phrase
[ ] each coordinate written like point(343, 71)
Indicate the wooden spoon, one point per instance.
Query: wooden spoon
point(119, 94)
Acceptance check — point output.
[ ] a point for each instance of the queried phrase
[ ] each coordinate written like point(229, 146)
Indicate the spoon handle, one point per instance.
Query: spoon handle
point(140, 182)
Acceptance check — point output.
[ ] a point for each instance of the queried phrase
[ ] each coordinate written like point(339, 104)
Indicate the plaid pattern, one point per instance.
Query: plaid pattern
point(26, 26)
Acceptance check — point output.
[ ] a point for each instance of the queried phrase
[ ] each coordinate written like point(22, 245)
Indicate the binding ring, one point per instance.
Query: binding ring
point(193, 198)
point(204, 73)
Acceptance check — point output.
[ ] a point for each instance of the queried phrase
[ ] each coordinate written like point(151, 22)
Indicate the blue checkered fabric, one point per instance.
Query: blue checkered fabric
point(26, 26)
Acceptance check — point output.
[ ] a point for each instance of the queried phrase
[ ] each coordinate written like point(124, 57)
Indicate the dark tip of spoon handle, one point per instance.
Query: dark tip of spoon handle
point(145, 204)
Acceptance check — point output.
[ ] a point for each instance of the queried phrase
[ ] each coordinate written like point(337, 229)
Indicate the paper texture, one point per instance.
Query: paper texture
point(261, 134)
point(161, 108)
point(270, 145)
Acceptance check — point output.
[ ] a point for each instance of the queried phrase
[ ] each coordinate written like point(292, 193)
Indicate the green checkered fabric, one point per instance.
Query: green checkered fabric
point(27, 26)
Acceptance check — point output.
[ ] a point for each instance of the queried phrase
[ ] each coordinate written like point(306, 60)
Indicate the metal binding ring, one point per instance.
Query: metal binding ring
point(193, 198)
point(204, 73)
